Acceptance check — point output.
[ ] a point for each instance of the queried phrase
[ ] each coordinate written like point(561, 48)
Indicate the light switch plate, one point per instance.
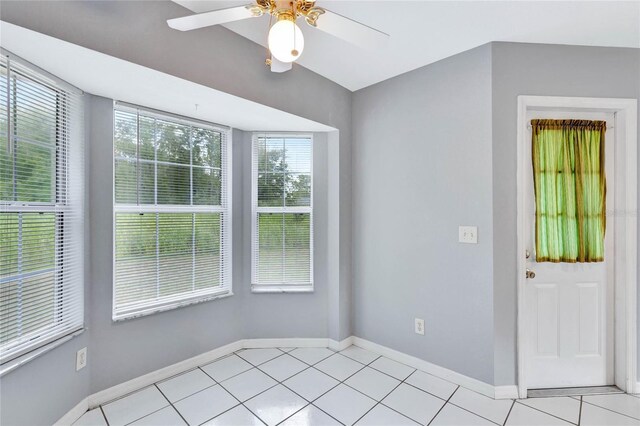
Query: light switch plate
point(468, 234)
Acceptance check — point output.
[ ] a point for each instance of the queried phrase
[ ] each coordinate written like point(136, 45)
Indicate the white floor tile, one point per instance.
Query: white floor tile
point(205, 405)
point(414, 403)
point(275, 405)
point(495, 410)
point(225, 368)
point(596, 416)
point(310, 416)
point(372, 383)
point(311, 355)
point(564, 407)
point(310, 384)
point(238, 416)
point(384, 416)
point(359, 354)
point(620, 403)
point(132, 407)
point(432, 384)
point(521, 415)
point(339, 367)
point(392, 368)
point(91, 418)
point(258, 356)
point(283, 367)
point(248, 384)
point(345, 404)
point(185, 384)
point(287, 349)
point(450, 415)
point(168, 416)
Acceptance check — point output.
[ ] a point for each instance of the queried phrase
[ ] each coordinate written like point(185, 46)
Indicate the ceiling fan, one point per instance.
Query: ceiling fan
point(285, 39)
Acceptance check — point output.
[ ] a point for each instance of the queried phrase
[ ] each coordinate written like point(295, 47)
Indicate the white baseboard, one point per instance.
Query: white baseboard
point(341, 345)
point(506, 392)
point(133, 385)
point(73, 414)
point(436, 370)
point(118, 391)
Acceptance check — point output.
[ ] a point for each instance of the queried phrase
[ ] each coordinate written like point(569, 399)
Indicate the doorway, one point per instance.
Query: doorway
point(576, 321)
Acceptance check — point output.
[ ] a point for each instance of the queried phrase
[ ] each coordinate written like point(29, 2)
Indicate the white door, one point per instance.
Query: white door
point(569, 318)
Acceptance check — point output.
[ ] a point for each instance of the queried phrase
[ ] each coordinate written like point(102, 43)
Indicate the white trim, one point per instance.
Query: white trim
point(506, 392)
point(441, 372)
point(133, 385)
point(74, 414)
point(256, 287)
point(9, 366)
point(341, 345)
point(225, 289)
point(625, 224)
point(149, 379)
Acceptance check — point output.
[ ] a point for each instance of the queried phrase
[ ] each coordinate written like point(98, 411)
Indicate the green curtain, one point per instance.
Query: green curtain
point(570, 190)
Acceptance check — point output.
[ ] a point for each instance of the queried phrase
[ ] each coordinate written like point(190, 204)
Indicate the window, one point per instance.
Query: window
point(282, 216)
point(172, 219)
point(570, 190)
point(41, 210)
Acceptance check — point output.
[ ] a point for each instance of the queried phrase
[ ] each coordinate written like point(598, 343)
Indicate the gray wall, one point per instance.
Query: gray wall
point(534, 69)
point(127, 349)
point(20, 388)
point(422, 166)
point(136, 31)
point(294, 314)
point(120, 351)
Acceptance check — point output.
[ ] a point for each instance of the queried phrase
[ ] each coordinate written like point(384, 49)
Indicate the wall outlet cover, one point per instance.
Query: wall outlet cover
point(468, 234)
point(81, 359)
point(419, 326)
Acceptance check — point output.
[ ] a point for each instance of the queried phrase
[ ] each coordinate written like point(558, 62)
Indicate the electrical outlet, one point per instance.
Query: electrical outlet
point(419, 326)
point(468, 234)
point(81, 359)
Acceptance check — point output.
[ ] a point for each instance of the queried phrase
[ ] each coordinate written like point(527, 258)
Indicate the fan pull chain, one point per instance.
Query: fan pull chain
point(294, 51)
point(267, 61)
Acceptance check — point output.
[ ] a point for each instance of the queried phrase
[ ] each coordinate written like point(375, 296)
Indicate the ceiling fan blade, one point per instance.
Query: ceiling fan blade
point(206, 19)
point(278, 66)
point(349, 30)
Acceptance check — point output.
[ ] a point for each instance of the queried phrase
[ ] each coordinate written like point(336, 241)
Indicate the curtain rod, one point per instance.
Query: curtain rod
point(608, 127)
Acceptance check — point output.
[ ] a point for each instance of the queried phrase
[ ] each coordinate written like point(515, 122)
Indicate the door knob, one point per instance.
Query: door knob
point(529, 274)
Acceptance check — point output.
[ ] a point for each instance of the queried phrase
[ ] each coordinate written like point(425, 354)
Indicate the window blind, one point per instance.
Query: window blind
point(172, 219)
point(282, 204)
point(41, 209)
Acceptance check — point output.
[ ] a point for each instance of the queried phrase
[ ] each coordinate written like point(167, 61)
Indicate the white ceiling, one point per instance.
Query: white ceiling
point(423, 32)
point(117, 79)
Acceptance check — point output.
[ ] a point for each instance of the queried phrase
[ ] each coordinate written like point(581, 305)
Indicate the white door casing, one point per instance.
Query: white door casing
point(569, 308)
point(624, 221)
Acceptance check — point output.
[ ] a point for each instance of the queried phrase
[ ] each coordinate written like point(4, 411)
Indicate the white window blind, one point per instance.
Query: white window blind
point(41, 209)
point(282, 213)
point(172, 219)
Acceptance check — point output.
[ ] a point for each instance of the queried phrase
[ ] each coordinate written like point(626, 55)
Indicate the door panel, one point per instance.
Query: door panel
point(589, 318)
point(569, 306)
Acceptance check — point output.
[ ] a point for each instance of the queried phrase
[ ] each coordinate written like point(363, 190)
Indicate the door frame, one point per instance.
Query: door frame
point(625, 229)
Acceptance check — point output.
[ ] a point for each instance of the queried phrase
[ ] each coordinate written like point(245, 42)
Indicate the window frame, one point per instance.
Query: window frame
point(66, 206)
point(136, 310)
point(257, 287)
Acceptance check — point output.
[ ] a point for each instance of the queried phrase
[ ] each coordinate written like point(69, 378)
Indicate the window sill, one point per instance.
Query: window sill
point(261, 288)
point(145, 311)
point(12, 365)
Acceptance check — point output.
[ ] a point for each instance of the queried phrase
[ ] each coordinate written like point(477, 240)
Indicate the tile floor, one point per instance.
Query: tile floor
point(317, 386)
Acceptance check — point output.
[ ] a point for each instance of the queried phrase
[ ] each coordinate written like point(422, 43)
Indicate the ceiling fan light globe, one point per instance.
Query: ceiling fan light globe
point(283, 44)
